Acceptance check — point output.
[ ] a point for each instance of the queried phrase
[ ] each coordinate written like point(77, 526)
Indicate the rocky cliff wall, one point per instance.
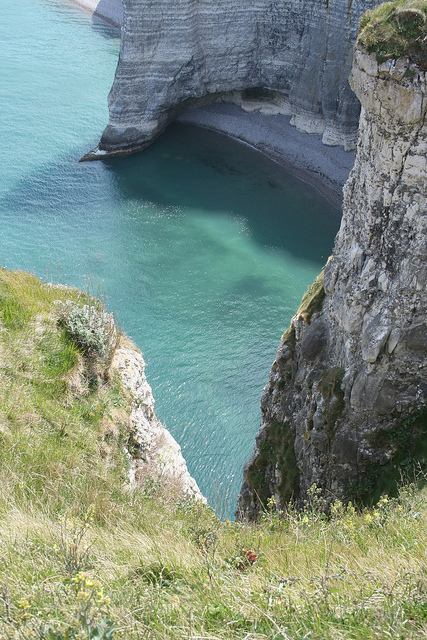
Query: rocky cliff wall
point(281, 57)
point(154, 454)
point(109, 10)
point(345, 404)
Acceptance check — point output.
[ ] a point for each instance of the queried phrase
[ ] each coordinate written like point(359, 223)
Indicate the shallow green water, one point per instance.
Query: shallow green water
point(204, 246)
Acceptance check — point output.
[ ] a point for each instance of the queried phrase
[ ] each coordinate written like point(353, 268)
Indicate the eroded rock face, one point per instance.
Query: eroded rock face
point(154, 454)
point(175, 55)
point(349, 384)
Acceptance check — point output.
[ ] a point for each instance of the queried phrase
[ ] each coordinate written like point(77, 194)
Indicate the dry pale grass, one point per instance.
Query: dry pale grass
point(84, 556)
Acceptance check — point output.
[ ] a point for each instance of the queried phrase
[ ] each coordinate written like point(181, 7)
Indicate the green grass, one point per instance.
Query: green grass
point(396, 29)
point(84, 556)
point(313, 298)
point(13, 316)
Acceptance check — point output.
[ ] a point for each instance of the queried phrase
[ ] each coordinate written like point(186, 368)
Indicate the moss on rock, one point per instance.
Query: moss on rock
point(312, 300)
point(288, 338)
point(330, 387)
point(407, 443)
point(275, 452)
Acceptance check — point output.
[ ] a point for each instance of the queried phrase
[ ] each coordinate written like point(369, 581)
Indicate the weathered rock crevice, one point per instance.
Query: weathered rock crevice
point(351, 374)
point(176, 55)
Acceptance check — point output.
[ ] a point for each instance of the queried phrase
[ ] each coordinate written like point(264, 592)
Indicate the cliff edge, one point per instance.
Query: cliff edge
point(345, 405)
point(291, 58)
point(154, 454)
point(75, 388)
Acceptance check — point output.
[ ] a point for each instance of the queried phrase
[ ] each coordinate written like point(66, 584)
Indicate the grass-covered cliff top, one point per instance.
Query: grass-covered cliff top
point(396, 29)
point(84, 556)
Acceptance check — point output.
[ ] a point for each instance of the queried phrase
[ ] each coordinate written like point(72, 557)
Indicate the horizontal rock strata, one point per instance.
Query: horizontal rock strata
point(292, 58)
point(346, 399)
point(110, 11)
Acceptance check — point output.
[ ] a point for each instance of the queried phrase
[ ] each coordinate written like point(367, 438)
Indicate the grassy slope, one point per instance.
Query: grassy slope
point(83, 556)
point(396, 29)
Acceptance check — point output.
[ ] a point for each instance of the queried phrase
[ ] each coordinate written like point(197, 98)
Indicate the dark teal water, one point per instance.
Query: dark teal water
point(204, 246)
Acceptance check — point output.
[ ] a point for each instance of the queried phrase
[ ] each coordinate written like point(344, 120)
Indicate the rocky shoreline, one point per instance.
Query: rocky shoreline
point(262, 126)
point(177, 56)
point(302, 154)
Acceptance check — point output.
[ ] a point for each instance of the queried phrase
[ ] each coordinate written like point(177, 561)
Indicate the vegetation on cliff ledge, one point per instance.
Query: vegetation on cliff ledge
point(396, 29)
point(84, 556)
point(312, 299)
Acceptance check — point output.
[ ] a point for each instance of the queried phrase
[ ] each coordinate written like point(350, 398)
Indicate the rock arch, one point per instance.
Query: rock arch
point(176, 54)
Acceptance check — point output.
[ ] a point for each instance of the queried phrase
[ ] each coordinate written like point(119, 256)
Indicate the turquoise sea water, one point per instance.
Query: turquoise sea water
point(204, 246)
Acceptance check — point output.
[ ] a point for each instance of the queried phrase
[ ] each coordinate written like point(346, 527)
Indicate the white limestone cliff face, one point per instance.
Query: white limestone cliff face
point(348, 388)
point(154, 454)
point(110, 11)
point(278, 57)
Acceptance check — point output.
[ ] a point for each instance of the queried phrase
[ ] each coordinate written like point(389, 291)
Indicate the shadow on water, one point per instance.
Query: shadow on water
point(103, 28)
point(191, 169)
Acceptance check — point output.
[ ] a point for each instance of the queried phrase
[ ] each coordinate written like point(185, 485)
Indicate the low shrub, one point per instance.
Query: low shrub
point(91, 328)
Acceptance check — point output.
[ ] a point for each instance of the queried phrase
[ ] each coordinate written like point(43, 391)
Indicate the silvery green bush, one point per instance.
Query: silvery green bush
point(91, 328)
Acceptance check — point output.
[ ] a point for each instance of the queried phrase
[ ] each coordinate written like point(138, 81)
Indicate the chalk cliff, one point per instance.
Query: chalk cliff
point(154, 454)
point(345, 405)
point(280, 57)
